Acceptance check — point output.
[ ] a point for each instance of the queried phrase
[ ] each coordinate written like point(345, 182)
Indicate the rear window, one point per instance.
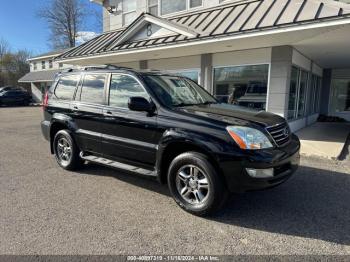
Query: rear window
point(93, 89)
point(66, 87)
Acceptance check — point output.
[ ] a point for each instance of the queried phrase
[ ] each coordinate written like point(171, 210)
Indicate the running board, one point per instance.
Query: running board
point(115, 164)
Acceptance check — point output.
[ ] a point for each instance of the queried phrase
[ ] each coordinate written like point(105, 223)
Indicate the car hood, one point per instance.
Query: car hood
point(233, 114)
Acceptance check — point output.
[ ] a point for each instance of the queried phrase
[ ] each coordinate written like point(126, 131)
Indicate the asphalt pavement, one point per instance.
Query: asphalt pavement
point(46, 210)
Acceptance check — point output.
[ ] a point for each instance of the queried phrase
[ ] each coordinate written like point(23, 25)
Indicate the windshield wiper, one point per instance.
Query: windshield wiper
point(183, 104)
point(197, 104)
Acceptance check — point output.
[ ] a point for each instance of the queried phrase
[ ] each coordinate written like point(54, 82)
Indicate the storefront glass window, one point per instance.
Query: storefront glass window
point(302, 93)
point(242, 85)
point(315, 94)
point(297, 93)
point(294, 81)
point(340, 95)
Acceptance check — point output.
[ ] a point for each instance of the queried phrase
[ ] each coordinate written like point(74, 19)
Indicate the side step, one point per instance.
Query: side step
point(115, 164)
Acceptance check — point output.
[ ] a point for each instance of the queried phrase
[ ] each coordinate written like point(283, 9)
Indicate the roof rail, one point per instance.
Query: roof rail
point(95, 67)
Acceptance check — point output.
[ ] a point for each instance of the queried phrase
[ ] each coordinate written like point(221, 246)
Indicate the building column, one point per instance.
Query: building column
point(206, 73)
point(143, 64)
point(37, 95)
point(279, 82)
point(325, 91)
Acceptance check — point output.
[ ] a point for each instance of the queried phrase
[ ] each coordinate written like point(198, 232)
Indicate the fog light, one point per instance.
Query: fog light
point(260, 173)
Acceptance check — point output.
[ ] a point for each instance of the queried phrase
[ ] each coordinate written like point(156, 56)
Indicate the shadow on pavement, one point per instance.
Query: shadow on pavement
point(314, 203)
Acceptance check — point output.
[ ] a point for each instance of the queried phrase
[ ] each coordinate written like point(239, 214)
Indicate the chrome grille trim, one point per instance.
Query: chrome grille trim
point(278, 133)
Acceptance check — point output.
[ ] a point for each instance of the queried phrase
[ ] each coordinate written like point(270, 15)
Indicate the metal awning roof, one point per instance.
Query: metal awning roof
point(221, 21)
point(40, 76)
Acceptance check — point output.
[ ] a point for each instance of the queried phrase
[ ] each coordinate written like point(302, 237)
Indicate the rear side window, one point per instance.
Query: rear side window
point(122, 88)
point(65, 88)
point(93, 89)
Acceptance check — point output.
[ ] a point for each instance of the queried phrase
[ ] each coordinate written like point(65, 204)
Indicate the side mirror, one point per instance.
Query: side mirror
point(140, 104)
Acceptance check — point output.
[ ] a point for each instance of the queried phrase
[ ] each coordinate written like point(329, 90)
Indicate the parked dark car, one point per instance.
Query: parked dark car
point(15, 97)
point(166, 127)
point(8, 88)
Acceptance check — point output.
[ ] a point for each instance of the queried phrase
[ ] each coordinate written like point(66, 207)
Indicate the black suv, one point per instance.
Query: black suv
point(167, 127)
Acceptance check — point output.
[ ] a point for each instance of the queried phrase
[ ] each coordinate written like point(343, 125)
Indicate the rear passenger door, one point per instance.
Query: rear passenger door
point(128, 136)
point(88, 112)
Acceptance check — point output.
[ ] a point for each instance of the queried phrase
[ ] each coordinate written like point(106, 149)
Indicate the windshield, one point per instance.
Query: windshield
point(178, 91)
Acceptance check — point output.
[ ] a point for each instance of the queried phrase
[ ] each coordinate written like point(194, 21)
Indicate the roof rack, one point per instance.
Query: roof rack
point(95, 67)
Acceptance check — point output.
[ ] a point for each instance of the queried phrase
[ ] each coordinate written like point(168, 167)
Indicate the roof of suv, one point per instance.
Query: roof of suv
point(112, 68)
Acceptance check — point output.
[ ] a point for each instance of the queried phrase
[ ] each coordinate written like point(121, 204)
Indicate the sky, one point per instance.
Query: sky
point(20, 26)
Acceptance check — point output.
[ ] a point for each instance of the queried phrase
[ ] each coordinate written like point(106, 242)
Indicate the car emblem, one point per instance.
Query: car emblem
point(286, 131)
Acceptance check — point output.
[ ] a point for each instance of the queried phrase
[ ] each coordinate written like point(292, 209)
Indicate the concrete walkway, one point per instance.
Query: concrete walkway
point(324, 139)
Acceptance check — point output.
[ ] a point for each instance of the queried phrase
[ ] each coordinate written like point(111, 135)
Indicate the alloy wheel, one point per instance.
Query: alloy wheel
point(192, 184)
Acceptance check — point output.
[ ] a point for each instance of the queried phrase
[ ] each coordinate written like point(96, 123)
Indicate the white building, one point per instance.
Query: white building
point(43, 69)
point(290, 57)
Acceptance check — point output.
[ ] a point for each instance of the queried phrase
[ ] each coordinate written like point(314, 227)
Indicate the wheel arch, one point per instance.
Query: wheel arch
point(168, 151)
point(59, 122)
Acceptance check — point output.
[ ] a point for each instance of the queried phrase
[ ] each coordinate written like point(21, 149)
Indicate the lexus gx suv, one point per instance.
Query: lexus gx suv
point(167, 127)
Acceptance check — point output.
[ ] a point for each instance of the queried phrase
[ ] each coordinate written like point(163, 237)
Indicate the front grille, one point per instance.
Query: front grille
point(280, 133)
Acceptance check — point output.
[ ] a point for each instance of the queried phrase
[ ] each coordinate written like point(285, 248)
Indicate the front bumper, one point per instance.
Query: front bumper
point(284, 161)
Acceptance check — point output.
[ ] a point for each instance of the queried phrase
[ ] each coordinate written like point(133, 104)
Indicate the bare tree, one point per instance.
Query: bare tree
point(65, 19)
point(4, 48)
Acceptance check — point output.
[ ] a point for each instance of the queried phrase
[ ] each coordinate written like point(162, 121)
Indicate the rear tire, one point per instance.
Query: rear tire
point(195, 184)
point(66, 151)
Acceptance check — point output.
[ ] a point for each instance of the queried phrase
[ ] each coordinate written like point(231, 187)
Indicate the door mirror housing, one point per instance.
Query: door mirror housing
point(140, 104)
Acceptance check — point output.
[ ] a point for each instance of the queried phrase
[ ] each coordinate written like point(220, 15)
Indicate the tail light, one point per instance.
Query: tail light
point(46, 100)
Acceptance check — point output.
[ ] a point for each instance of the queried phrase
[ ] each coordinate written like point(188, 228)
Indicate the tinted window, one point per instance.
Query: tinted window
point(122, 88)
point(93, 88)
point(66, 87)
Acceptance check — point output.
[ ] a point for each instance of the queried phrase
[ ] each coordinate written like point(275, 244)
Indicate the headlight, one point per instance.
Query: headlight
point(248, 138)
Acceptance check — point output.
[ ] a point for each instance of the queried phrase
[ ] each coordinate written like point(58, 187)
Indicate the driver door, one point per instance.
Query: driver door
point(128, 136)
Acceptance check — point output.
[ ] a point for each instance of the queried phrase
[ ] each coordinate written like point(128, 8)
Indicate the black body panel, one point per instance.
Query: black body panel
point(140, 138)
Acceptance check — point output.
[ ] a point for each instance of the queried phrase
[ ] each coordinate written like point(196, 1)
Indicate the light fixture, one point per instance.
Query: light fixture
point(112, 9)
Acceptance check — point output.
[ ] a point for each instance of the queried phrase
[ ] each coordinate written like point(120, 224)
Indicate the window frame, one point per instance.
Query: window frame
point(108, 91)
point(79, 91)
point(157, 5)
point(307, 98)
point(128, 12)
point(43, 65)
point(77, 86)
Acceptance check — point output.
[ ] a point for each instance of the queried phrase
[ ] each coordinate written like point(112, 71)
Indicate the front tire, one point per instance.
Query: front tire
point(66, 151)
point(195, 184)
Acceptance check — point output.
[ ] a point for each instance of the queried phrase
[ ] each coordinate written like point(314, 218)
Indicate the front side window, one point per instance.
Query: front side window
point(242, 85)
point(65, 88)
point(129, 11)
point(123, 87)
point(176, 91)
point(93, 88)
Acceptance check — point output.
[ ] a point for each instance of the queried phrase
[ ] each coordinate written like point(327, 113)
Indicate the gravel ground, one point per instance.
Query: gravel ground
point(46, 210)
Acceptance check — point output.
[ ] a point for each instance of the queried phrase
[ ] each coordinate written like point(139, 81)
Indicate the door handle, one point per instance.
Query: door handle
point(108, 113)
point(75, 108)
